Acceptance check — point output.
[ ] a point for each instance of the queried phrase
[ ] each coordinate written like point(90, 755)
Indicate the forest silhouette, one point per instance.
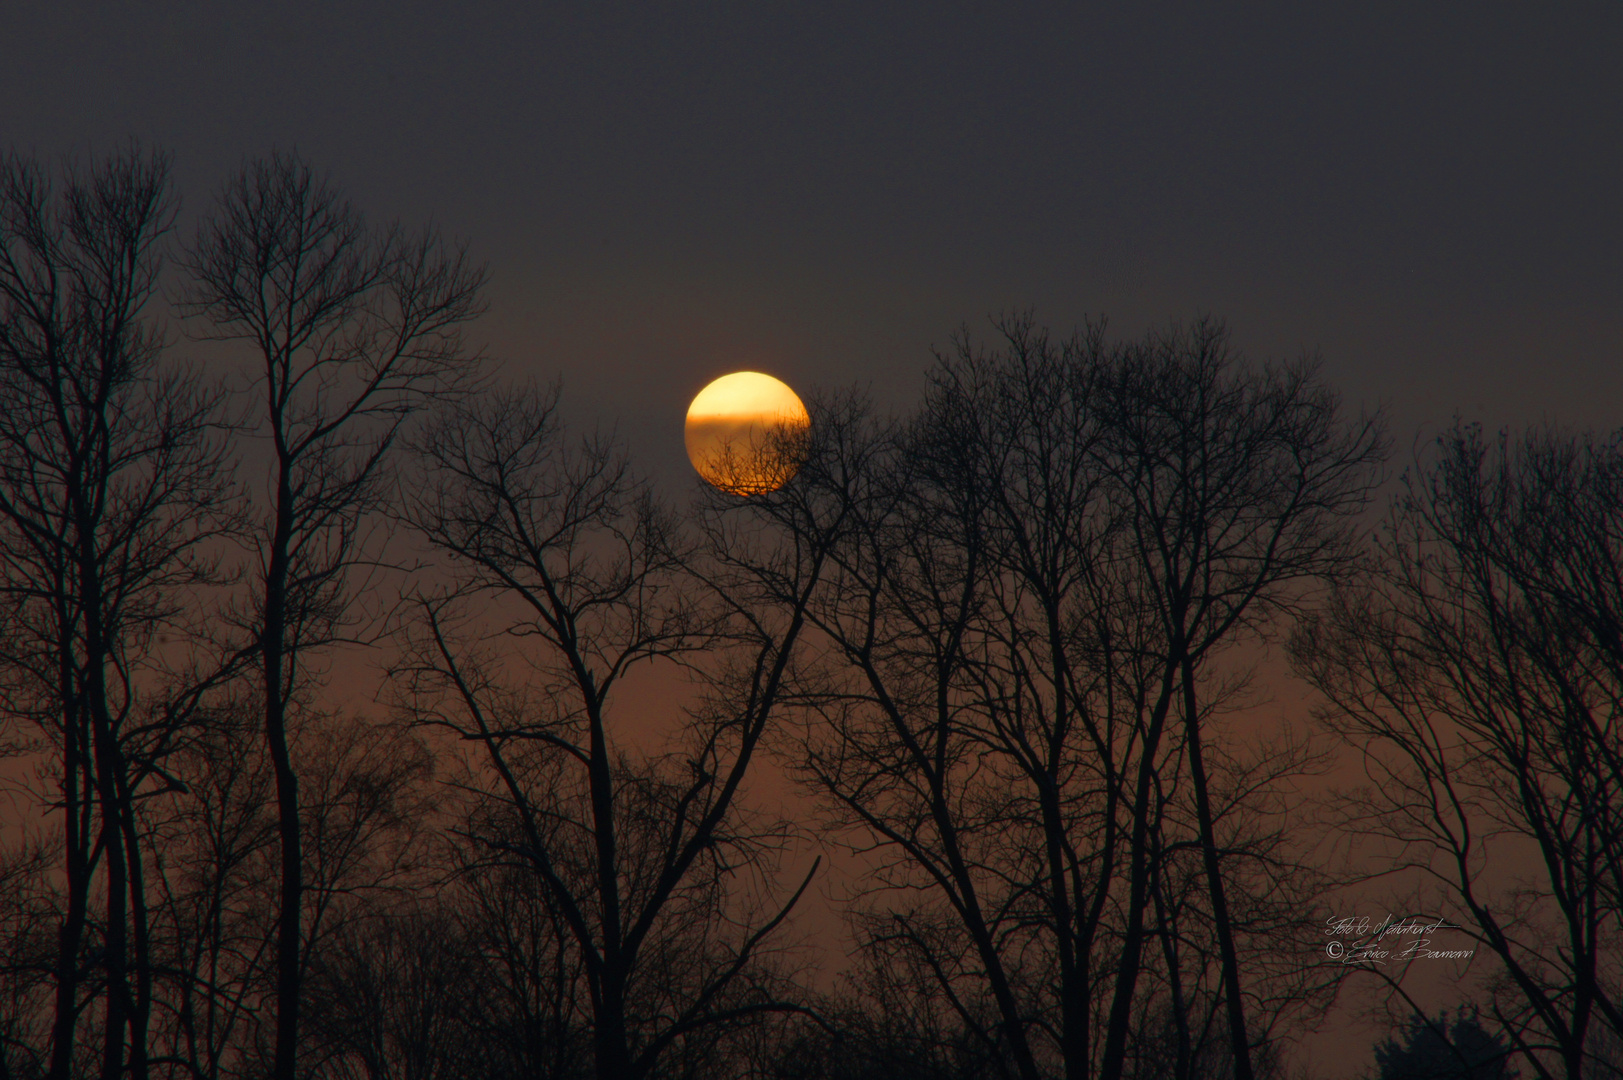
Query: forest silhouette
point(1000, 644)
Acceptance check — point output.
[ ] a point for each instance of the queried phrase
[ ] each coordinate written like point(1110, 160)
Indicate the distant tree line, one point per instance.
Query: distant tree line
point(1001, 644)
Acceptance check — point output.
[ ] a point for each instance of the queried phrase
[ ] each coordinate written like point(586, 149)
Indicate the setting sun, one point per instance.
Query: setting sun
point(743, 433)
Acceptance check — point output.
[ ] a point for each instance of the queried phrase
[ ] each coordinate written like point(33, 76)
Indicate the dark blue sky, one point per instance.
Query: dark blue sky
point(1430, 194)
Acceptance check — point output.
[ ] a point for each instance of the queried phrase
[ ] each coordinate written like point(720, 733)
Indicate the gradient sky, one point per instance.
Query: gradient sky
point(1430, 194)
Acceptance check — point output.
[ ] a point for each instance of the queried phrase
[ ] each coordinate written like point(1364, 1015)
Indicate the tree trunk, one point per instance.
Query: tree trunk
point(1239, 1040)
point(109, 767)
point(610, 1052)
point(140, 926)
point(116, 945)
point(273, 648)
point(1113, 1064)
point(77, 866)
point(292, 892)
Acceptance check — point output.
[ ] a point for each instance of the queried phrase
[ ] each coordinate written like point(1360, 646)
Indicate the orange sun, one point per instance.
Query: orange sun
point(745, 433)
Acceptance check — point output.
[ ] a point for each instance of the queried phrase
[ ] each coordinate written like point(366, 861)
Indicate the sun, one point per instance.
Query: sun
point(745, 433)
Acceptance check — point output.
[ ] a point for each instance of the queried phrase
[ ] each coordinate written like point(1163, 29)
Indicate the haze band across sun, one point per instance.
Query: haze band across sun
point(745, 433)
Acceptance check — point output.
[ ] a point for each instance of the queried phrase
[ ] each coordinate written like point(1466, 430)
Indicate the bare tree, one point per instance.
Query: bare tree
point(351, 329)
point(111, 484)
point(661, 877)
point(1243, 485)
point(214, 881)
point(1478, 673)
point(530, 1002)
point(1032, 583)
point(396, 997)
point(213, 886)
point(27, 915)
point(959, 746)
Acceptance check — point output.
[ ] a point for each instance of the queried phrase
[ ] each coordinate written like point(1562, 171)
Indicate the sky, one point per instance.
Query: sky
point(1428, 195)
point(1425, 194)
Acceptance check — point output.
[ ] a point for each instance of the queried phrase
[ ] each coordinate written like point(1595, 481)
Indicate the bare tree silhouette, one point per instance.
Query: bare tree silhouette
point(1003, 641)
point(352, 329)
point(1243, 486)
point(1028, 588)
point(1477, 670)
point(111, 483)
point(657, 873)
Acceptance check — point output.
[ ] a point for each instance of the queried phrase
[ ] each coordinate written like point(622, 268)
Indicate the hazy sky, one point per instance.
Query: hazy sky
point(1431, 194)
